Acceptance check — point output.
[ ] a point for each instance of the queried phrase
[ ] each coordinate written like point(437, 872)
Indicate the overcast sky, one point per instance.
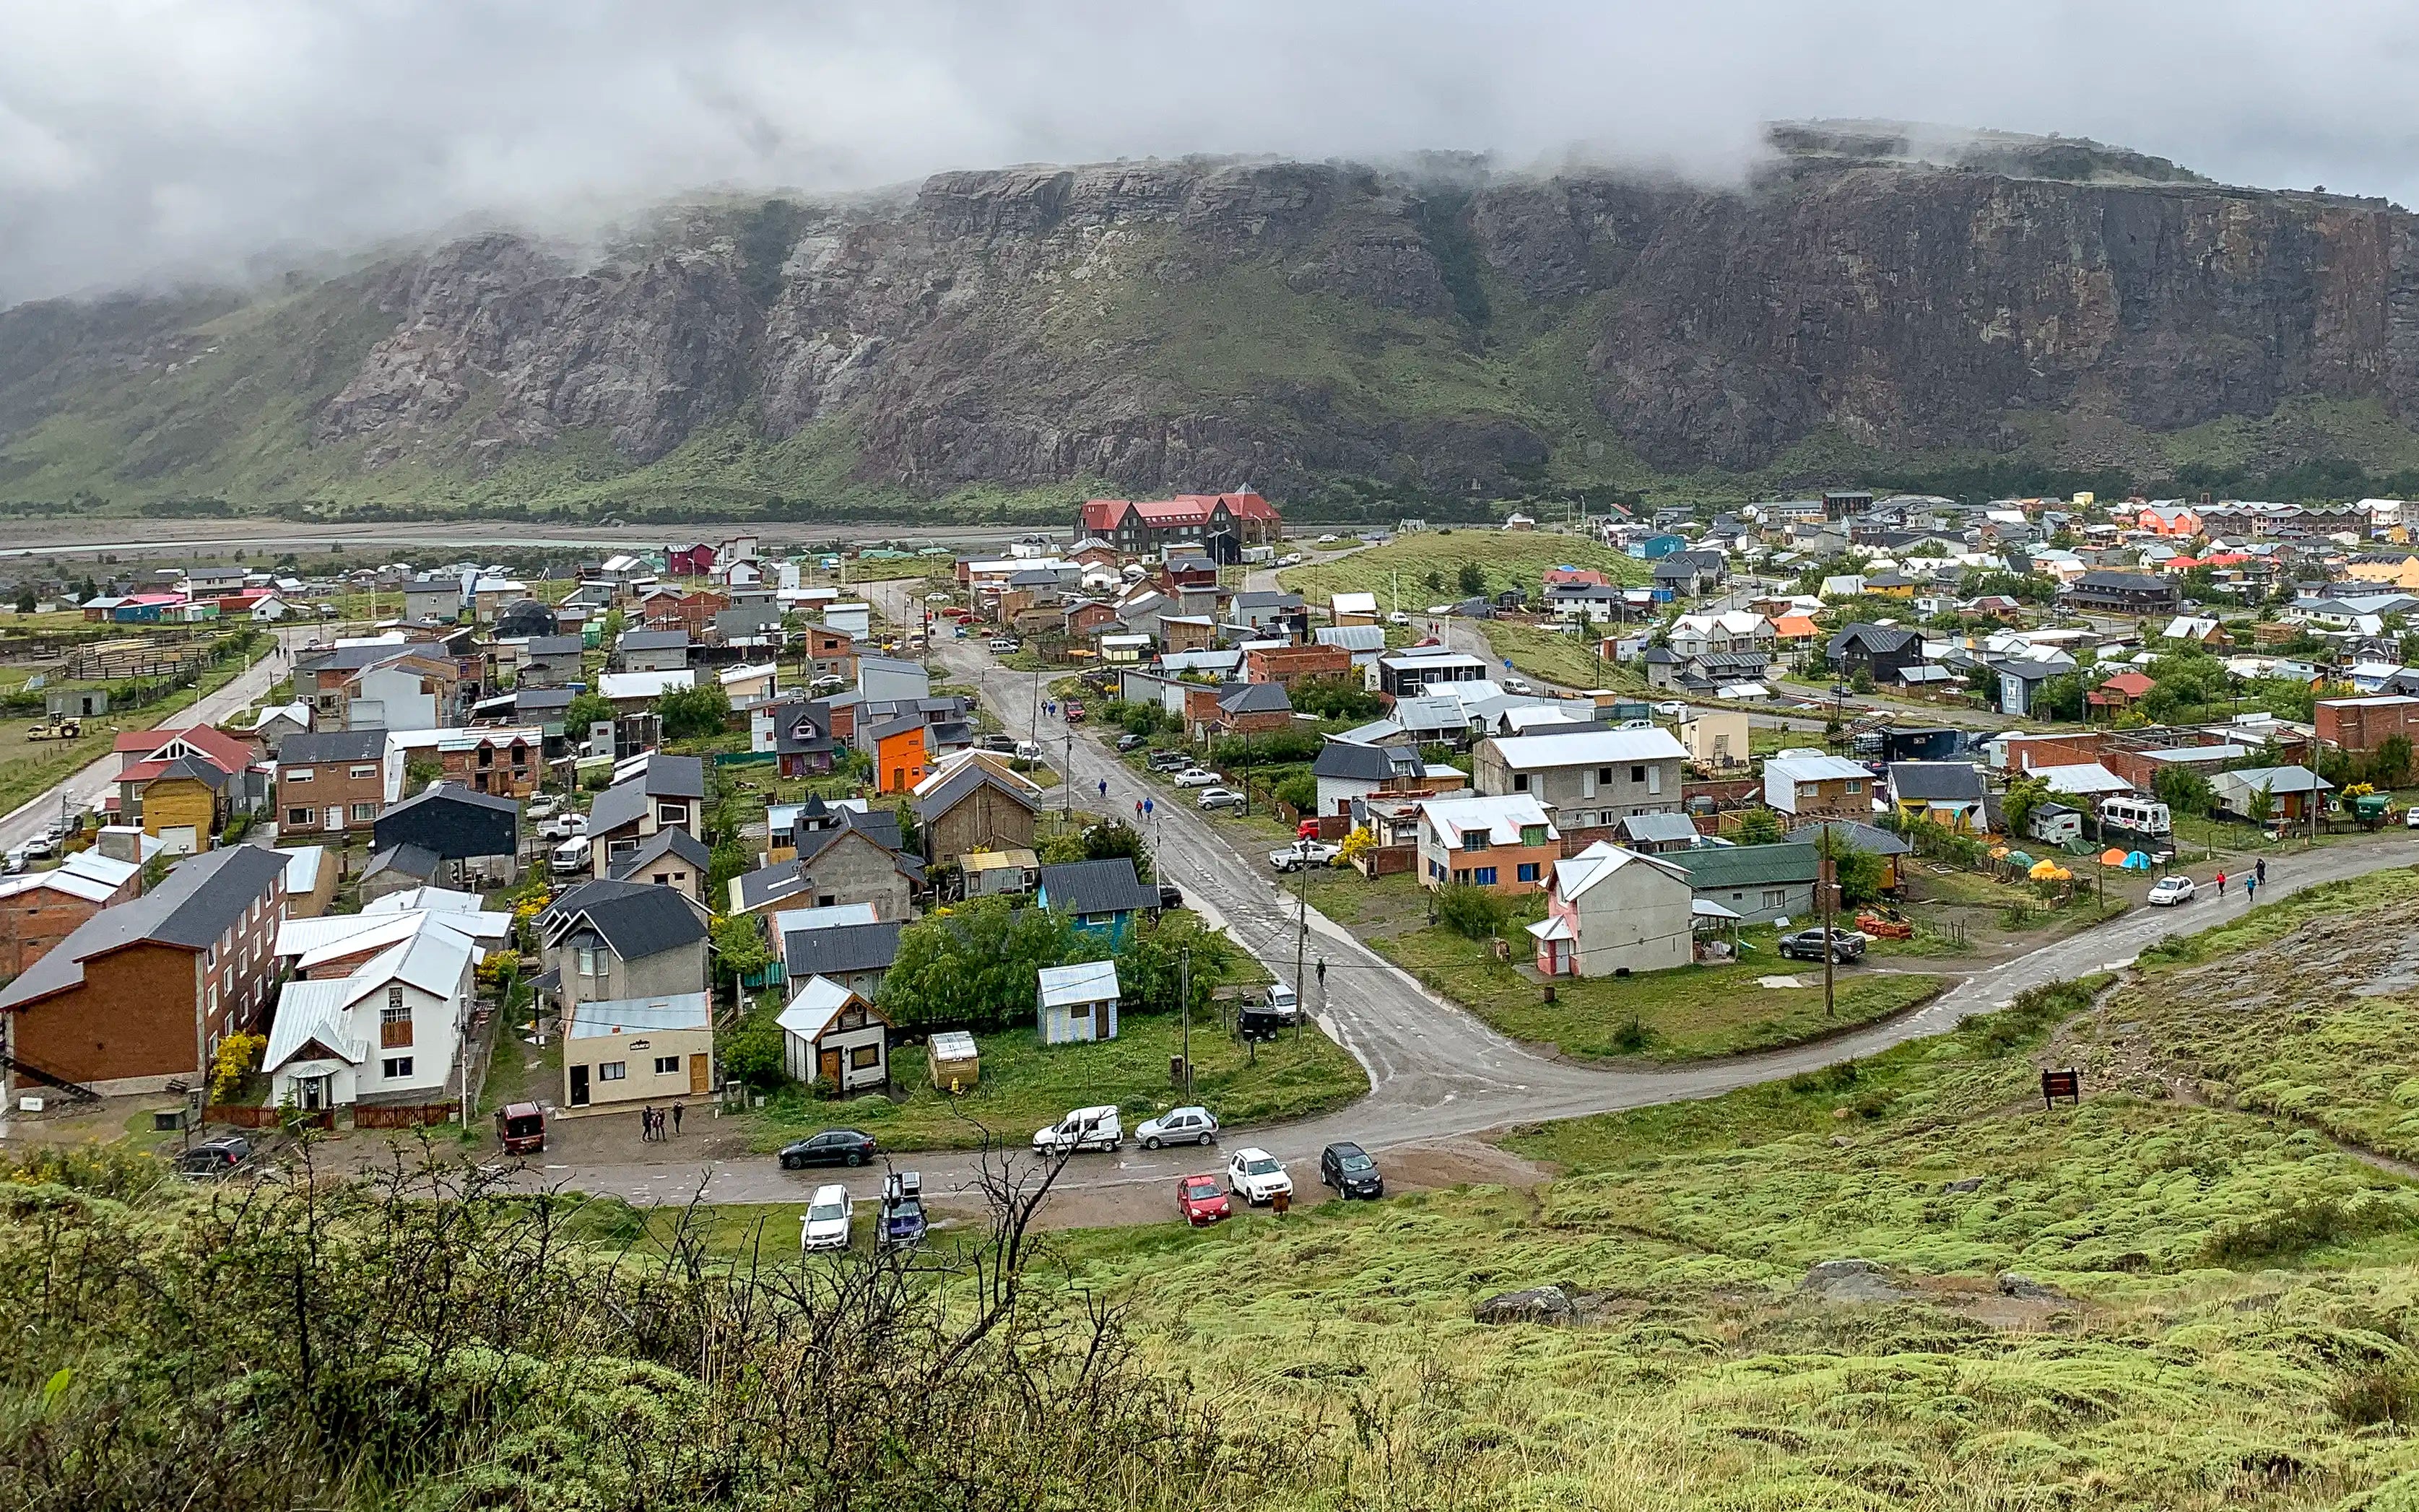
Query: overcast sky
point(146, 140)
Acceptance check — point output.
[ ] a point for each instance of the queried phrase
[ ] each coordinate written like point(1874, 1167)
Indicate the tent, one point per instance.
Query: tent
point(2113, 857)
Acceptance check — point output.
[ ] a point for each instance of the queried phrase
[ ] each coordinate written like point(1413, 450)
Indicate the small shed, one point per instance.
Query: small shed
point(1079, 1003)
point(76, 702)
point(1000, 873)
point(833, 1035)
point(955, 1064)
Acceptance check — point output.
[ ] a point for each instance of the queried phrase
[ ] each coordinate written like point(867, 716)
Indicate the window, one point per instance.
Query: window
point(1855, 786)
point(671, 813)
point(1484, 876)
point(1638, 774)
point(1654, 780)
point(298, 818)
point(1776, 897)
point(395, 1066)
point(1473, 839)
point(394, 1020)
point(365, 771)
point(1533, 834)
point(613, 1070)
point(1519, 782)
point(298, 774)
point(1528, 870)
point(865, 1057)
point(587, 956)
point(667, 1065)
point(1459, 877)
point(365, 813)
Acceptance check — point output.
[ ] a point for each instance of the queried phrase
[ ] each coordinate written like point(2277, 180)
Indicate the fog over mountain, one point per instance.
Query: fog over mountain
point(147, 143)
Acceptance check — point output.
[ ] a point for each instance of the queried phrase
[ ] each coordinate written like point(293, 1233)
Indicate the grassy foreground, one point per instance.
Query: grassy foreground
point(1507, 558)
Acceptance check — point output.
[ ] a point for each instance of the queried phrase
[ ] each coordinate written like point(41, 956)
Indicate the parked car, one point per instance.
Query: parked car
point(1283, 1003)
point(2170, 891)
point(15, 862)
point(833, 1146)
point(903, 1210)
point(828, 683)
point(1399, 617)
point(1167, 760)
point(1074, 711)
point(1220, 799)
point(2410, 817)
point(542, 806)
point(1201, 1202)
point(1258, 1177)
point(562, 827)
point(1348, 1167)
point(1328, 540)
point(1002, 643)
point(826, 1220)
point(1094, 1128)
point(571, 857)
point(1807, 945)
point(1178, 1126)
point(1518, 685)
point(1304, 853)
point(1029, 750)
point(1131, 742)
point(1005, 745)
point(1196, 776)
point(42, 847)
point(936, 598)
point(1170, 895)
point(214, 1157)
point(520, 1128)
point(1292, 558)
point(1673, 708)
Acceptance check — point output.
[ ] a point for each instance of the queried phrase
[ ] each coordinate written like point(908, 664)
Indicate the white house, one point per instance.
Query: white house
point(1731, 630)
point(831, 1034)
point(1079, 1003)
point(391, 1027)
point(1610, 909)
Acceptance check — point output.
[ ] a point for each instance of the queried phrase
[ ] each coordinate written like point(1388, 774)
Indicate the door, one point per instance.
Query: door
point(827, 1067)
point(313, 1092)
point(700, 1069)
point(336, 818)
point(579, 1087)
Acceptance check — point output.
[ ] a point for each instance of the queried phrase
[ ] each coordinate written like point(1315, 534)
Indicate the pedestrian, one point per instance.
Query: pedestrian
point(2262, 871)
point(2221, 883)
point(2250, 892)
point(676, 1113)
point(646, 1124)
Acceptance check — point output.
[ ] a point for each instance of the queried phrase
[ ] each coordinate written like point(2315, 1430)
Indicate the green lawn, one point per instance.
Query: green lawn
point(1568, 660)
point(1025, 1085)
point(1680, 1015)
point(1508, 559)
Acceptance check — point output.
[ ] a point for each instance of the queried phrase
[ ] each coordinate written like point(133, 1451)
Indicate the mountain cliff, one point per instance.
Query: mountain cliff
point(1872, 296)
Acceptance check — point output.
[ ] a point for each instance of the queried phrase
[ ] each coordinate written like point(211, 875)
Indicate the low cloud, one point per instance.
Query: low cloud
point(144, 140)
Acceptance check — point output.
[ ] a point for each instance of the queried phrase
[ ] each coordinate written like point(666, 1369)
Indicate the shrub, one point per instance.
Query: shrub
point(1299, 789)
point(1474, 913)
point(752, 1053)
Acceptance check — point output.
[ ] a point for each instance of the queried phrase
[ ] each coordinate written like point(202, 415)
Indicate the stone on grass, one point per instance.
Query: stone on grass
point(1851, 1280)
point(2017, 1284)
point(1971, 1183)
point(1537, 1304)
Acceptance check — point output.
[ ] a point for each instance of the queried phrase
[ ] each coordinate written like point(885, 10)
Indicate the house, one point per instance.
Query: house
point(509, 763)
point(2020, 679)
point(1425, 671)
point(333, 781)
point(1652, 834)
point(141, 993)
point(670, 858)
point(1690, 574)
point(1347, 772)
point(387, 1028)
point(2364, 724)
point(1588, 777)
point(1101, 897)
point(1805, 784)
point(2121, 691)
point(652, 651)
point(657, 792)
point(1717, 739)
point(433, 597)
point(1879, 652)
point(802, 736)
point(1507, 843)
point(550, 661)
point(1078, 1004)
point(1352, 609)
point(1611, 911)
point(836, 1038)
point(855, 860)
point(1731, 630)
point(903, 757)
point(2125, 592)
point(892, 679)
point(830, 652)
point(39, 909)
point(1862, 837)
point(636, 692)
point(1223, 524)
point(182, 785)
point(381, 684)
point(855, 955)
point(310, 880)
point(267, 730)
point(1758, 883)
point(2202, 630)
point(1364, 643)
point(1237, 709)
point(605, 941)
point(475, 834)
point(973, 802)
point(621, 1052)
point(1942, 792)
point(2291, 790)
point(1286, 666)
point(1595, 603)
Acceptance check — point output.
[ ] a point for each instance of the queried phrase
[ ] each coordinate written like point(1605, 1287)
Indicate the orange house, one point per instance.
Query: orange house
point(2167, 519)
point(900, 757)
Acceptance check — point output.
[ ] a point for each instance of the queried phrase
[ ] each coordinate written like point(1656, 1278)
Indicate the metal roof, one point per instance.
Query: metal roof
point(1089, 982)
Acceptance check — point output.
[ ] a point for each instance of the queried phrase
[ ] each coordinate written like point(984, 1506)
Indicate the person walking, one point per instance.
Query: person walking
point(676, 1113)
point(2221, 883)
point(2262, 872)
point(2250, 892)
point(646, 1124)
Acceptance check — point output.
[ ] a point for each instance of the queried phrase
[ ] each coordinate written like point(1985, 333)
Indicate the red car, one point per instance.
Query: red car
point(1202, 1199)
point(1074, 711)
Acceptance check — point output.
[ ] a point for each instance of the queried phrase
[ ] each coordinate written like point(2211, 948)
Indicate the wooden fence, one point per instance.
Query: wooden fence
point(265, 1117)
point(402, 1116)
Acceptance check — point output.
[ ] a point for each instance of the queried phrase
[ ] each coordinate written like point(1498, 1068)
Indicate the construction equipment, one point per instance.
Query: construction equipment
point(56, 729)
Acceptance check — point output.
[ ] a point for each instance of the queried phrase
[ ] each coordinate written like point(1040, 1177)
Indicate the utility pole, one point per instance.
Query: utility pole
point(1184, 996)
point(1825, 869)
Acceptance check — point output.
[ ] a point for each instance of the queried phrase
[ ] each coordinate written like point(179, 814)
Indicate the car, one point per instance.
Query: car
point(1005, 745)
point(833, 1146)
point(563, 825)
point(826, 685)
point(1201, 1202)
point(1167, 760)
point(1220, 799)
point(1283, 1003)
point(1518, 685)
point(1178, 1126)
point(2170, 891)
point(571, 857)
point(957, 633)
point(1348, 1167)
point(1399, 617)
point(214, 1157)
point(1673, 709)
point(1028, 751)
point(1258, 1177)
point(1304, 853)
point(1196, 776)
point(1328, 540)
point(936, 598)
point(1292, 558)
point(1094, 1128)
point(2410, 817)
point(1807, 945)
point(1170, 895)
point(543, 806)
point(1002, 643)
point(1130, 743)
point(826, 1223)
point(15, 862)
point(903, 1220)
point(43, 846)
point(1074, 712)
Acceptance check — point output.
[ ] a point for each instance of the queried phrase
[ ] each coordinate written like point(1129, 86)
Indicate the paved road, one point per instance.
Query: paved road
point(1436, 1071)
point(87, 787)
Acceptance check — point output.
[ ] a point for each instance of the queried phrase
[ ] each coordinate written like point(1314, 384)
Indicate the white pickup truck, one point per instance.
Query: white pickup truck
point(1303, 853)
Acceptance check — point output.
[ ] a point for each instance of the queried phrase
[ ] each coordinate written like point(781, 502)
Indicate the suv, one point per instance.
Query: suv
point(1220, 799)
point(1094, 1128)
point(1258, 1177)
point(1167, 760)
point(833, 1146)
point(214, 1157)
point(1807, 945)
point(1178, 1126)
point(1303, 853)
point(1348, 1167)
point(825, 1224)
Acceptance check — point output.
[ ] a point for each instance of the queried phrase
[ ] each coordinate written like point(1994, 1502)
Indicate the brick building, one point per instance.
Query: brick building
point(332, 781)
point(1287, 665)
point(2364, 724)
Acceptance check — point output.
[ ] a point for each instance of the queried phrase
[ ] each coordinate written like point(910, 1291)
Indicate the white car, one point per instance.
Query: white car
point(1220, 799)
point(1303, 853)
point(2410, 817)
point(825, 1224)
point(1673, 709)
point(2171, 892)
point(936, 598)
point(1292, 558)
point(1002, 643)
point(1094, 1128)
point(1283, 1003)
point(1518, 685)
point(1178, 1126)
point(571, 857)
point(1258, 1177)
point(564, 826)
point(542, 807)
point(1028, 751)
point(1399, 617)
point(1328, 540)
point(1196, 776)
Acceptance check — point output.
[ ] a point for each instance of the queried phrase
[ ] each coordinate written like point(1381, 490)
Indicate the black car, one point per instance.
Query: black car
point(833, 1146)
point(1005, 745)
point(1807, 945)
point(1348, 1168)
point(1127, 743)
point(1170, 895)
point(214, 1157)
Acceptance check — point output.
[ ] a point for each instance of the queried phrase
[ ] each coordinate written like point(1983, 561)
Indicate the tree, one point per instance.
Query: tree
point(688, 713)
point(1114, 837)
point(1433, 581)
point(26, 599)
point(419, 774)
point(910, 841)
point(1472, 912)
point(1471, 579)
point(2059, 698)
point(974, 965)
point(584, 710)
point(1333, 698)
point(1858, 872)
point(1148, 965)
point(1300, 791)
point(740, 947)
point(2183, 789)
point(1760, 826)
point(753, 1053)
point(2024, 794)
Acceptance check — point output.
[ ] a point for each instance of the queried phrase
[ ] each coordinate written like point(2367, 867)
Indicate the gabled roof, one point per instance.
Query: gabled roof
point(1255, 698)
point(456, 792)
point(1867, 838)
point(815, 1005)
point(1657, 829)
point(676, 843)
point(1107, 887)
point(306, 747)
point(766, 886)
point(308, 1013)
point(1582, 746)
point(1876, 640)
point(1936, 781)
point(1503, 818)
point(416, 861)
point(1747, 866)
point(1365, 763)
point(1575, 874)
point(654, 640)
point(198, 902)
point(635, 919)
point(225, 750)
point(840, 950)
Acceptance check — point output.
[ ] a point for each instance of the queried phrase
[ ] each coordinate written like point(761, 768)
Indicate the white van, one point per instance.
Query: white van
point(1096, 1128)
point(825, 1224)
point(571, 857)
point(2140, 815)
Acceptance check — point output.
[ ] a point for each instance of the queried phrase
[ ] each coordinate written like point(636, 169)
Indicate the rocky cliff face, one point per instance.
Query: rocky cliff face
point(1210, 324)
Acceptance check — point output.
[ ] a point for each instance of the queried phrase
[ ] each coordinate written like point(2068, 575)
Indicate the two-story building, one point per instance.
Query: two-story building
point(611, 941)
point(333, 781)
point(1591, 778)
point(1506, 843)
point(1806, 783)
point(664, 793)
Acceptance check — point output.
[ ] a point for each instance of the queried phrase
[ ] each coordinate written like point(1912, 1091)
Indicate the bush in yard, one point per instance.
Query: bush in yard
point(1148, 967)
point(1760, 826)
point(752, 1053)
point(234, 1059)
point(1474, 913)
point(1299, 789)
point(973, 966)
point(691, 712)
point(1269, 749)
point(1335, 698)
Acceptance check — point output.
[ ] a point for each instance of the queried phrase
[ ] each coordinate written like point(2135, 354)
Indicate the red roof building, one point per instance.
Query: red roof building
point(1220, 523)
